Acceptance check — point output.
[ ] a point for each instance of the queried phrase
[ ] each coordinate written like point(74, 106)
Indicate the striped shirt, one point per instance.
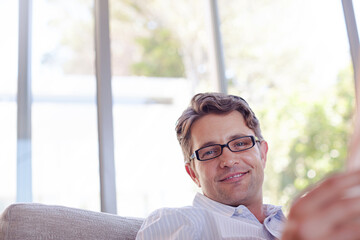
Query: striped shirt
point(208, 219)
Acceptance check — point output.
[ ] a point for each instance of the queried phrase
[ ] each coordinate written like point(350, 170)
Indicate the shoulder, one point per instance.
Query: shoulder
point(171, 223)
point(184, 215)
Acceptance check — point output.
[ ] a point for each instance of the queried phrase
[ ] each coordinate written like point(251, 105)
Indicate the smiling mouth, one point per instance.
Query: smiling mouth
point(234, 176)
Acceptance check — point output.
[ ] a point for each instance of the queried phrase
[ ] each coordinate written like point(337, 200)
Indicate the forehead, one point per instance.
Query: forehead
point(218, 128)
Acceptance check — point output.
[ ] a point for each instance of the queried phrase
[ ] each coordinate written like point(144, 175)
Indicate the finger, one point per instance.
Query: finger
point(342, 213)
point(346, 232)
point(291, 230)
point(325, 193)
point(353, 160)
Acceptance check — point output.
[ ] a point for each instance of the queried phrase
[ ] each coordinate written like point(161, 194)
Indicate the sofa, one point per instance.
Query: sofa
point(30, 221)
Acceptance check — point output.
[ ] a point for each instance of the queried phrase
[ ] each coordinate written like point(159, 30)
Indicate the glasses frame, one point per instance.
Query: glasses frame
point(196, 153)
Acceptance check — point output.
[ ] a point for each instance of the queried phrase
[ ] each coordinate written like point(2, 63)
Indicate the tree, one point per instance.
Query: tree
point(160, 56)
point(321, 147)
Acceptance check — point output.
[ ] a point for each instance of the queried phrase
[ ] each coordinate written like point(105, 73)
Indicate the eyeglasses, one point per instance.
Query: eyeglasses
point(215, 150)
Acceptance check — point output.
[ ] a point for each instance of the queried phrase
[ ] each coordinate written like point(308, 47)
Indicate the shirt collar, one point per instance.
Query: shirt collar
point(271, 210)
point(202, 201)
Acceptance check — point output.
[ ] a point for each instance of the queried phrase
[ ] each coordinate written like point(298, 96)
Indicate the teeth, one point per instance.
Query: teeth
point(237, 175)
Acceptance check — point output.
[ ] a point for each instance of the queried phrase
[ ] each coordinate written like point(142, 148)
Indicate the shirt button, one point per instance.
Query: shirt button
point(239, 211)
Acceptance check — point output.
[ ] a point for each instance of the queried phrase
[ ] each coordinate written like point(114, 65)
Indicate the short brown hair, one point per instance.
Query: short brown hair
point(205, 103)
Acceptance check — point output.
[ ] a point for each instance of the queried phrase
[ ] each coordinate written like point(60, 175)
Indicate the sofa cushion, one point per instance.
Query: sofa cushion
point(38, 221)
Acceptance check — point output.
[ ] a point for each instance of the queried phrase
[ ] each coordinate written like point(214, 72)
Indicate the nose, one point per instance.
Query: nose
point(228, 158)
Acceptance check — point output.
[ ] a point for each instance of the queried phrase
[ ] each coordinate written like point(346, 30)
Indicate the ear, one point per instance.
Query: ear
point(192, 174)
point(263, 152)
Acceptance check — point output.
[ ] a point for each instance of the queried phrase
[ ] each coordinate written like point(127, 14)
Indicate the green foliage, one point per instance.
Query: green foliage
point(321, 147)
point(307, 132)
point(160, 57)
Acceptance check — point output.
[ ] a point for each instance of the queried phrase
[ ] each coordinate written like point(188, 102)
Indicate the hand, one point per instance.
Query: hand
point(325, 212)
point(353, 161)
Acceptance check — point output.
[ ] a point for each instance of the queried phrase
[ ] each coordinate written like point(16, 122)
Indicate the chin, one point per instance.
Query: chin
point(234, 201)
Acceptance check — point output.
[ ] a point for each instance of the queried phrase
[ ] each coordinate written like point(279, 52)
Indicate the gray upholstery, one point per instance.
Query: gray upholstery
point(38, 221)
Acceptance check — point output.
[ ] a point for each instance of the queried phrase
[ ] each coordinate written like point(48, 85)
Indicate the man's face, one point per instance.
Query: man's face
point(233, 178)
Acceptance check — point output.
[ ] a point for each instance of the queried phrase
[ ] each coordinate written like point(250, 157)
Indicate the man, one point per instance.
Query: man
point(225, 155)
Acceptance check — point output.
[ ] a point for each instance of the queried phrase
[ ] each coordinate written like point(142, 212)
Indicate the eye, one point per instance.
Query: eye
point(241, 143)
point(209, 152)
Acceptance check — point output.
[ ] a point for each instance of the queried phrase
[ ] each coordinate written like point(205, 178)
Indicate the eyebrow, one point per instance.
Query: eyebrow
point(229, 139)
point(207, 144)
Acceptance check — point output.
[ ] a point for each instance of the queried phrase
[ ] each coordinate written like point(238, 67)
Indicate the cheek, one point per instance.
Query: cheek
point(255, 160)
point(251, 160)
point(206, 171)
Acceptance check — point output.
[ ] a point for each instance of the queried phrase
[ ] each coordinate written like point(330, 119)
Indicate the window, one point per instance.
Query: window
point(64, 125)
point(150, 90)
point(289, 59)
point(8, 80)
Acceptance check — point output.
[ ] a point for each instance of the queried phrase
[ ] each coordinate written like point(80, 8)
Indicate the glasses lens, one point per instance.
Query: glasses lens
point(209, 152)
point(241, 144)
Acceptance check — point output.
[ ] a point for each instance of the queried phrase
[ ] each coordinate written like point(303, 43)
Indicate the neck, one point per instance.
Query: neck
point(258, 210)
